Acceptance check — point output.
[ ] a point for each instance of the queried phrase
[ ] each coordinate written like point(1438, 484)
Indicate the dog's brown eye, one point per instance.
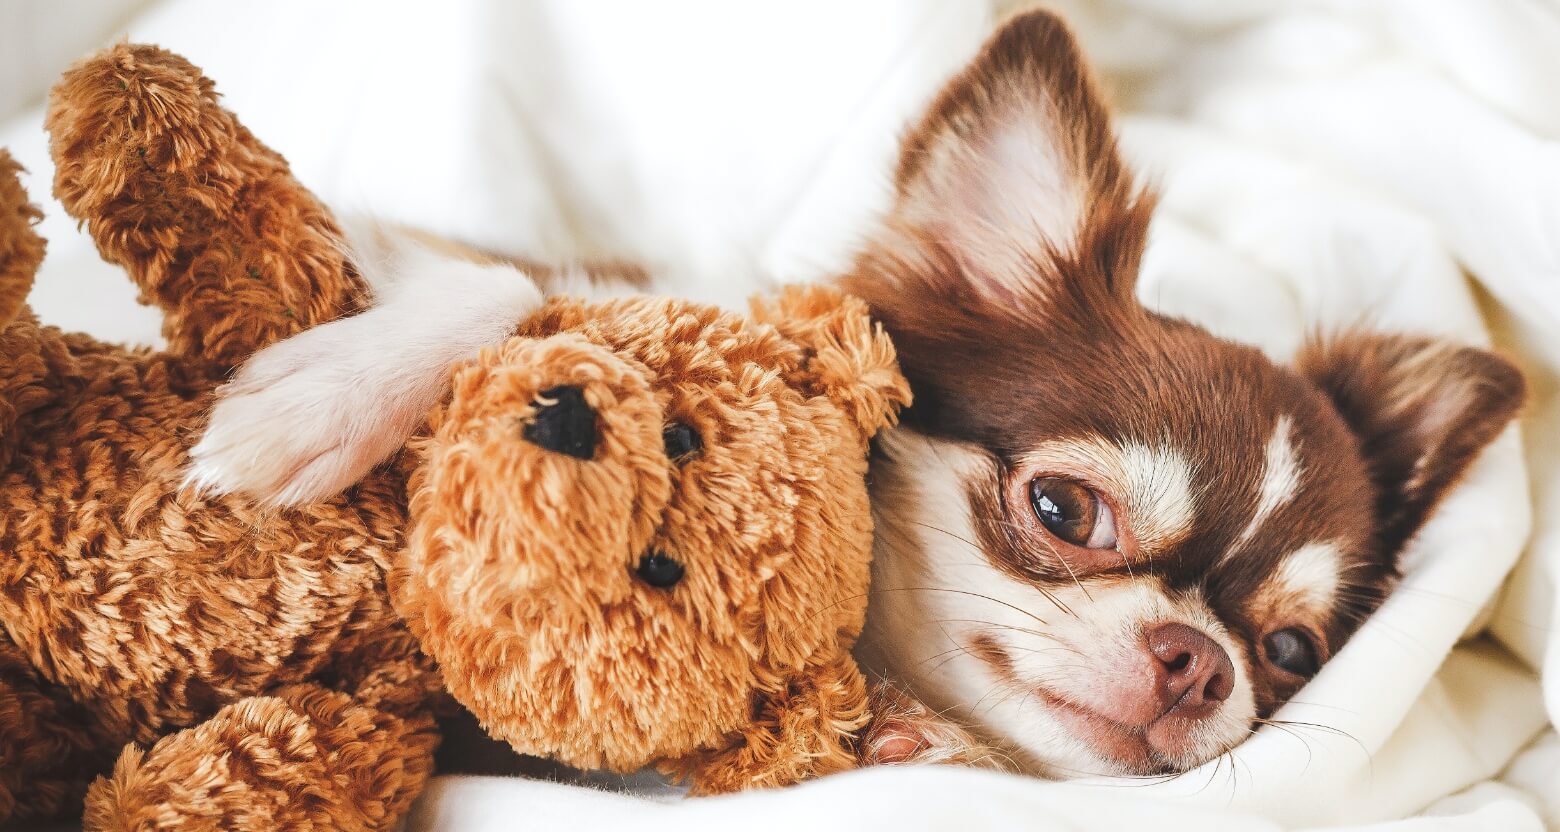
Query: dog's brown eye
point(1073, 513)
point(1291, 651)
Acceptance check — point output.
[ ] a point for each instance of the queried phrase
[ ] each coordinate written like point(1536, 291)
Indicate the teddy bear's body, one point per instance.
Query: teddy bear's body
point(130, 606)
point(135, 608)
point(635, 533)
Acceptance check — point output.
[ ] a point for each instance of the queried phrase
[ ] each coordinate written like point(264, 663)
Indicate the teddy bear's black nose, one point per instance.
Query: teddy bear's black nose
point(564, 422)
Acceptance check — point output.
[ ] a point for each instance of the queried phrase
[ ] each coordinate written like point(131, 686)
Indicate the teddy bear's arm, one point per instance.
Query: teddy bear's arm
point(805, 729)
point(209, 222)
point(307, 756)
point(21, 249)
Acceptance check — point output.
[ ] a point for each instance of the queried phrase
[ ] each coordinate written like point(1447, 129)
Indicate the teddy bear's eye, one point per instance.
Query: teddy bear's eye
point(681, 442)
point(659, 570)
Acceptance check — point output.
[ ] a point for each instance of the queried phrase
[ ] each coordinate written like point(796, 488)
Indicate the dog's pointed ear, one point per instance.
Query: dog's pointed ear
point(1423, 410)
point(1013, 174)
point(849, 359)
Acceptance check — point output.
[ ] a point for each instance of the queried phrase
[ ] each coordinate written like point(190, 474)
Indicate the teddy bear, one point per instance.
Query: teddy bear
point(634, 532)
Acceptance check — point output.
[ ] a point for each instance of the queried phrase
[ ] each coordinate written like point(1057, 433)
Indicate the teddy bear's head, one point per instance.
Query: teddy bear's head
point(641, 532)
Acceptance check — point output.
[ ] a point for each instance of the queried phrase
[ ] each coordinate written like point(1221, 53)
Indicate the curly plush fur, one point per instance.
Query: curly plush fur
point(254, 669)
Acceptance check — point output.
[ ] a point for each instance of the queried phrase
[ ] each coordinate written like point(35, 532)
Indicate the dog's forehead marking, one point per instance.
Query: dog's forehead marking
point(1310, 574)
point(1159, 491)
point(1280, 478)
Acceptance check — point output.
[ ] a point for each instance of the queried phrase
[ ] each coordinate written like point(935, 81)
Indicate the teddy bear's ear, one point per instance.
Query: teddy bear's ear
point(850, 359)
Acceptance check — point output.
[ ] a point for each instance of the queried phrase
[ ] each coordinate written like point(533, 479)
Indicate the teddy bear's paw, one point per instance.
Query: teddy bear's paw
point(309, 416)
point(305, 758)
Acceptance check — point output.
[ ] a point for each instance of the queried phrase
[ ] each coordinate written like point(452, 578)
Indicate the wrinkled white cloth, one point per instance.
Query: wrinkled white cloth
point(1323, 163)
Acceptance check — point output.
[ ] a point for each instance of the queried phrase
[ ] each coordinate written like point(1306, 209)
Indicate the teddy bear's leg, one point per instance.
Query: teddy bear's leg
point(48, 753)
point(305, 757)
point(209, 222)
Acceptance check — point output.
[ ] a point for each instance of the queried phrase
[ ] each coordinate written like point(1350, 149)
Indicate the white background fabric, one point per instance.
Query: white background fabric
point(1323, 163)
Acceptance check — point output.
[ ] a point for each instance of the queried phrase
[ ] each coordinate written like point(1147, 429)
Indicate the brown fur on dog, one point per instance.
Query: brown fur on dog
point(249, 669)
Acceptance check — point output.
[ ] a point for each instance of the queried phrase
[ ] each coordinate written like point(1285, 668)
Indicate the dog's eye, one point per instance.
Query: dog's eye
point(681, 441)
point(659, 570)
point(1291, 651)
point(1073, 513)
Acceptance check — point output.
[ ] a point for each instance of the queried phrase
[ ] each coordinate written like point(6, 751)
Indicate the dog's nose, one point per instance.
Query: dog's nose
point(1198, 673)
point(564, 422)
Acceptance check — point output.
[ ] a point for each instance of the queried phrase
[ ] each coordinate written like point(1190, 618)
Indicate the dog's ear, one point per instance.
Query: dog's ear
point(1422, 408)
point(1012, 179)
point(849, 359)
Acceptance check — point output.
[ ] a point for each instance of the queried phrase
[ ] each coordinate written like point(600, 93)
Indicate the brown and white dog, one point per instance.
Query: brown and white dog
point(1108, 541)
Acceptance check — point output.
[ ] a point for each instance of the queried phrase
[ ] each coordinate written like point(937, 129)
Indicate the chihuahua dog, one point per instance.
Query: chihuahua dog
point(1108, 542)
point(1107, 539)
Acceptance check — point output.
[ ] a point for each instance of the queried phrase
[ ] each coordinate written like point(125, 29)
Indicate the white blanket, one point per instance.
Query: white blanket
point(1323, 163)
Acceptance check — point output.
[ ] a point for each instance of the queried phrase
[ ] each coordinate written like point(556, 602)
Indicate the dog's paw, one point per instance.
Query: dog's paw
point(903, 731)
point(309, 416)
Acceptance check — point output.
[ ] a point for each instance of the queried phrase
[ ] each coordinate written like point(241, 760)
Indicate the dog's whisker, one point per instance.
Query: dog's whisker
point(1046, 593)
point(968, 593)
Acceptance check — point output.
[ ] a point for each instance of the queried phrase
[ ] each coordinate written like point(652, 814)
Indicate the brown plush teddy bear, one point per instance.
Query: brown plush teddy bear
point(636, 531)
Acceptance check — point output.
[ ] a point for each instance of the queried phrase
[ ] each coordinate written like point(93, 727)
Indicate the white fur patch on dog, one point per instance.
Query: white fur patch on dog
point(1280, 478)
point(1159, 491)
point(1310, 573)
point(309, 416)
